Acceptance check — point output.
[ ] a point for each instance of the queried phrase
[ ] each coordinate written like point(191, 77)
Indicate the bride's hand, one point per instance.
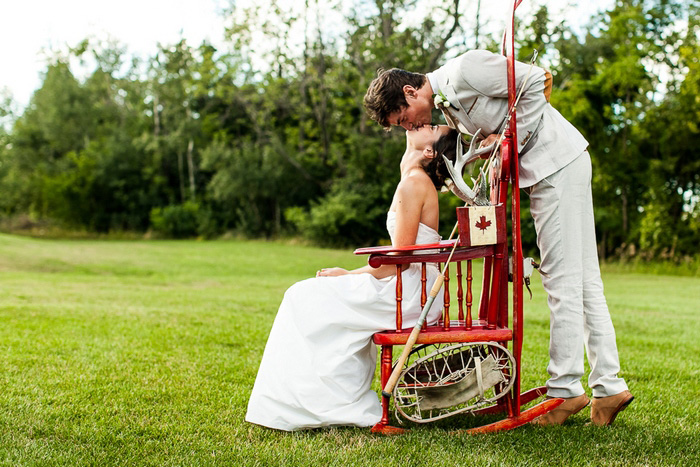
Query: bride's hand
point(329, 272)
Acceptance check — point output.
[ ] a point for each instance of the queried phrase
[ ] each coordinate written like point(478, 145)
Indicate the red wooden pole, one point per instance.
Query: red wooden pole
point(509, 48)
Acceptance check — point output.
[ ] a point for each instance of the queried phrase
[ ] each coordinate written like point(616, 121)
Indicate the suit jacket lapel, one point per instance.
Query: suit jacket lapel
point(461, 120)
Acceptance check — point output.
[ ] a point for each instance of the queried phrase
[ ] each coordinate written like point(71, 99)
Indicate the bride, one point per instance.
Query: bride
point(319, 360)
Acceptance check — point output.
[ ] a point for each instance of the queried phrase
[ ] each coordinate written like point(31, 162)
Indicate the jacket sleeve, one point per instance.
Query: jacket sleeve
point(486, 73)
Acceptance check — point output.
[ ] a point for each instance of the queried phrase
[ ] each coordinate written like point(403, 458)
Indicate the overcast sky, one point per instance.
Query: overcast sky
point(28, 26)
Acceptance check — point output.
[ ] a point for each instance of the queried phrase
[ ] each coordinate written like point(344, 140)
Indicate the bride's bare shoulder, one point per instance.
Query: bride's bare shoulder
point(414, 183)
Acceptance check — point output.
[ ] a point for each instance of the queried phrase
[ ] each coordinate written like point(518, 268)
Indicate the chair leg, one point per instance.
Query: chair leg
point(383, 427)
point(385, 374)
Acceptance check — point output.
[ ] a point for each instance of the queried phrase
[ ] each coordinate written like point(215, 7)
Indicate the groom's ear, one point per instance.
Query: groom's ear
point(409, 91)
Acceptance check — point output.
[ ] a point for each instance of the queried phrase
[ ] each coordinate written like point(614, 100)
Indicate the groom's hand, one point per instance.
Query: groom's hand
point(488, 141)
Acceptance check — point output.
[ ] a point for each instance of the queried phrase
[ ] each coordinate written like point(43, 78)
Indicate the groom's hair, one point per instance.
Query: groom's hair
point(385, 93)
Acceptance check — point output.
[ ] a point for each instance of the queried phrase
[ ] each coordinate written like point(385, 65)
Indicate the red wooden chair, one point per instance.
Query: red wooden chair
point(471, 364)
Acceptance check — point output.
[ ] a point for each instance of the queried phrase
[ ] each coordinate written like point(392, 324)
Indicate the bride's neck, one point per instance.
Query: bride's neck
point(410, 161)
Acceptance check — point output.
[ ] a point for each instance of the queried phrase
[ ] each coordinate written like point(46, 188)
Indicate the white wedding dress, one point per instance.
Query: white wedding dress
point(319, 360)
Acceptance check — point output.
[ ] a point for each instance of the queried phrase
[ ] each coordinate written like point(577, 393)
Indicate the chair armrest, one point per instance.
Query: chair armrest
point(461, 254)
point(407, 249)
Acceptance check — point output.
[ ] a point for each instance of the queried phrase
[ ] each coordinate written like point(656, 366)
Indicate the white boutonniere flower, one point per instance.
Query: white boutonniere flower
point(440, 100)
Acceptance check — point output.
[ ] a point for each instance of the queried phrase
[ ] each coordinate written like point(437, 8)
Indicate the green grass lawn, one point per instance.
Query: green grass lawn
point(145, 352)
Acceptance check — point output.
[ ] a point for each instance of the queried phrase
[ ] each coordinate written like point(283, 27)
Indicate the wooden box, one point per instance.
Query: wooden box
point(481, 225)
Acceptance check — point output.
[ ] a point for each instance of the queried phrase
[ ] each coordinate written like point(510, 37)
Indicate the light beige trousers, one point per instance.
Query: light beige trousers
point(562, 208)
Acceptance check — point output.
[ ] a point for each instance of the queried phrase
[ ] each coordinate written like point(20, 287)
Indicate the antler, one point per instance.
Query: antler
point(459, 187)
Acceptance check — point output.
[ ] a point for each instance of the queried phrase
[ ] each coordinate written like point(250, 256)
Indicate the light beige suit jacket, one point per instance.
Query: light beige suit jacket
point(475, 83)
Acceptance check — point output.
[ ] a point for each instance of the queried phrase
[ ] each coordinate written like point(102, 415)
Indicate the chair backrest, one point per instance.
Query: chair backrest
point(493, 307)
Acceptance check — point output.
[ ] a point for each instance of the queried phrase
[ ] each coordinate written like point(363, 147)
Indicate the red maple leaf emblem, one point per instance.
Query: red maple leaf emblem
point(483, 224)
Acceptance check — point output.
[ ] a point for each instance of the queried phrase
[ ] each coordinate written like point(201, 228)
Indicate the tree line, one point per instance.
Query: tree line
point(200, 141)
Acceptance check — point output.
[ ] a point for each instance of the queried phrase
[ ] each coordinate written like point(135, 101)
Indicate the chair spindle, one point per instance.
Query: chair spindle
point(469, 294)
point(399, 298)
point(446, 295)
point(460, 293)
point(423, 291)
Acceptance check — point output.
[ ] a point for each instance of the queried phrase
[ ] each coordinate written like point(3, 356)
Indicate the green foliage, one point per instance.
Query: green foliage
point(344, 218)
point(176, 221)
point(269, 150)
point(608, 87)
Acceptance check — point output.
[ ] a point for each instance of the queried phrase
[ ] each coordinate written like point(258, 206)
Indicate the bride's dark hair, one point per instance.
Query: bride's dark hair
point(446, 145)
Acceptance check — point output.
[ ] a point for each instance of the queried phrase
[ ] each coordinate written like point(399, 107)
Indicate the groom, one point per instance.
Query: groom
point(555, 170)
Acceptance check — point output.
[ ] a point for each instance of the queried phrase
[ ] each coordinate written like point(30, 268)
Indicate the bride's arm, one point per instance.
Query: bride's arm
point(385, 270)
point(409, 200)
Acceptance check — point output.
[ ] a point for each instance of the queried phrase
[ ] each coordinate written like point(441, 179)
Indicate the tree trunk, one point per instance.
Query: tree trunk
point(624, 213)
point(442, 47)
point(278, 218)
point(322, 110)
point(477, 25)
point(181, 176)
point(190, 166)
point(156, 116)
point(304, 79)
